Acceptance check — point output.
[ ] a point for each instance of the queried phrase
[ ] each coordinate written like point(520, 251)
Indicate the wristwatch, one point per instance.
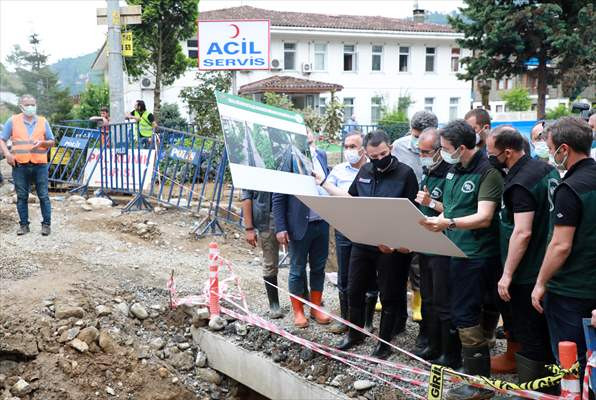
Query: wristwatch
point(432, 204)
point(451, 224)
point(249, 229)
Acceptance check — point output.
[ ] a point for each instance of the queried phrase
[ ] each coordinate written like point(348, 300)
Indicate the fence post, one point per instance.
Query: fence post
point(213, 280)
point(570, 383)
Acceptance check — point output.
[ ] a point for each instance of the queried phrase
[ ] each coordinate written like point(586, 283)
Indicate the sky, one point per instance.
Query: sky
point(68, 28)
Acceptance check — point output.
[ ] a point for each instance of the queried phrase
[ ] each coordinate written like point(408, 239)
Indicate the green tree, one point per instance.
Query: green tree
point(200, 100)
point(157, 39)
point(280, 100)
point(40, 81)
point(93, 98)
point(559, 111)
point(313, 119)
point(517, 99)
point(333, 119)
point(170, 117)
point(505, 35)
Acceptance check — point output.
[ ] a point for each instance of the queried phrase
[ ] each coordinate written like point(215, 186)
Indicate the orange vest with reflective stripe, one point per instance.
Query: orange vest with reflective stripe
point(22, 144)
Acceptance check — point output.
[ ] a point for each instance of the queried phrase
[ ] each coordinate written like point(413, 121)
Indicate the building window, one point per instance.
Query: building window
point(348, 107)
point(499, 108)
point(349, 57)
point(453, 108)
point(503, 84)
point(193, 48)
point(404, 58)
point(320, 56)
point(377, 56)
point(290, 56)
point(376, 107)
point(454, 60)
point(322, 105)
point(430, 59)
point(428, 103)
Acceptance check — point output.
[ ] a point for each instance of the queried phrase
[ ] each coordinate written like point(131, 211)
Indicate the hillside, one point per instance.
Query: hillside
point(73, 72)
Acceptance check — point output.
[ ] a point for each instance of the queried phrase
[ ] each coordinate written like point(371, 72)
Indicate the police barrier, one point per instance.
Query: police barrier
point(71, 158)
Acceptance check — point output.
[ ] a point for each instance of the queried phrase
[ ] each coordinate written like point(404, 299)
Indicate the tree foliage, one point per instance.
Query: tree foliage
point(278, 100)
point(505, 35)
point(333, 119)
point(156, 41)
point(93, 98)
point(170, 117)
point(517, 99)
point(559, 111)
point(200, 100)
point(40, 81)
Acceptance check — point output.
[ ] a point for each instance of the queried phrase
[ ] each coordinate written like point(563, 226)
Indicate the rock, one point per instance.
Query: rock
point(175, 380)
point(102, 310)
point(163, 372)
point(69, 334)
point(201, 360)
point(337, 381)
point(123, 308)
point(99, 203)
point(217, 323)
point(241, 329)
point(21, 388)
point(110, 391)
point(278, 356)
point(184, 346)
point(143, 352)
point(363, 384)
point(89, 335)
point(183, 361)
point(157, 344)
point(86, 207)
point(208, 375)
point(24, 345)
point(76, 199)
point(48, 303)
point(33, 199)
point(107, 343)
point(79, 345)
point(306, 354)
point(139, 311)
point(203, 313)
point(64, 311)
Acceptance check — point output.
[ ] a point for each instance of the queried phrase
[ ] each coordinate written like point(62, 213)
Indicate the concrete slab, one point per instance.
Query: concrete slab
point(261, 374)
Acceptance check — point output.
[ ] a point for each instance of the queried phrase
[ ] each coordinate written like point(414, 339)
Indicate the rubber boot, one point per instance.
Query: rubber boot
point(300, 320)
point(272, 294)
point(505, 363)
point(490, 320)
point(432, 349)
point(388, 317)
point(528, 370)
point(422, 338)
point(336, 326)
point(416, 306)
point(369, 310)
point(450, 347)
point(353, 337)
point(476, 362)
point(316, 298)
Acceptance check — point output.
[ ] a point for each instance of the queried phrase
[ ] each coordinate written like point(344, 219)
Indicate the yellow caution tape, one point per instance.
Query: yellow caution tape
point(435, 383)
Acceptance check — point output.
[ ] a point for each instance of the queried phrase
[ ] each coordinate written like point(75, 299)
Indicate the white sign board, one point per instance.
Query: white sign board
point(234, 45)
point(379, 220)
point(120, 178)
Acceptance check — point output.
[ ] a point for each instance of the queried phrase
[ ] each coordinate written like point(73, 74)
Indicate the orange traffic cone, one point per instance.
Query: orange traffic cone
point(505, 363)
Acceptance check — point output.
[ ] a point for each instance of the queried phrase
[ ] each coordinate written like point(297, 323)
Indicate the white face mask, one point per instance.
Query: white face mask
point(449, 158)
point(553, 161)
point(352, 156)
point(414, 143)
point(541, 149)
point(29, 111)
point(426, 161)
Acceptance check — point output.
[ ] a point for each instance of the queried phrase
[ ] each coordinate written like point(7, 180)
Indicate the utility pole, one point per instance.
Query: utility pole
point(115, 72)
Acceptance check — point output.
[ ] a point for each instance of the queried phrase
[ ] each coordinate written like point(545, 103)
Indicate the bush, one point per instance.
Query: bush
point(555, 113)
point(92, 99)
point(517, 99)
point(169, 117)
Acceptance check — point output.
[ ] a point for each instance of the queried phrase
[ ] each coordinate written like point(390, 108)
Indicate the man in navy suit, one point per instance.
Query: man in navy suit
point(308, 237)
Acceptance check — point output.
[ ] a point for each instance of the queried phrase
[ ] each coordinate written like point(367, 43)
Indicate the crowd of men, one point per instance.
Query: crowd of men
point(523, 211)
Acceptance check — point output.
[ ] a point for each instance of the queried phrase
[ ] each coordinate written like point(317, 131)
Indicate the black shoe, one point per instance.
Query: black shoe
point(272, 294)
point(450, 347)
point(353, 337)
point(388, 317)
point(45, 230)
point(369, 310)
point(23, 229)
point(476, 362)
point(422, 338)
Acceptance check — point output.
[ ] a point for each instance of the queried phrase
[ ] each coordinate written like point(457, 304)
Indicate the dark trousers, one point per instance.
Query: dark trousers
point(23, 176)
point(343, 247)
point(529, 326)
point(564, 318)
point(314, 249)
point(474, 283)
point(435, 286)
point(368, 268)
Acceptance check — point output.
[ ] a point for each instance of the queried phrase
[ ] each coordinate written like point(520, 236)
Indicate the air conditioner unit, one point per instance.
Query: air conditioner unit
point(147, 83)
point(275, 65)
point(306, 68)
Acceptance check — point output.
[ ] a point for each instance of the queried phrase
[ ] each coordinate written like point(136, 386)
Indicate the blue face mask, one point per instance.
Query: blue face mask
point(541, 149)
point(414, 143)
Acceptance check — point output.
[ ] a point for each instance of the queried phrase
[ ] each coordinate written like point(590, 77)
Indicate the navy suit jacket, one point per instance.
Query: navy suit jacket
point(291, 214)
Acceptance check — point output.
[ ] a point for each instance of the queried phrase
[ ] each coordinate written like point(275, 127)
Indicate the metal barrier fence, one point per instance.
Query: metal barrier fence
point(70, 164)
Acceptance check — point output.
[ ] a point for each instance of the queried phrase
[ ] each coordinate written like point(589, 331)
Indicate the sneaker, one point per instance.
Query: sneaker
point(23, 229)
point(45, 230)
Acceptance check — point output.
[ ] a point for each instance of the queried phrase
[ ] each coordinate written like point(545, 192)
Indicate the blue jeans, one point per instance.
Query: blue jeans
point(23, 175)
point(314, 248)
point(343, 246)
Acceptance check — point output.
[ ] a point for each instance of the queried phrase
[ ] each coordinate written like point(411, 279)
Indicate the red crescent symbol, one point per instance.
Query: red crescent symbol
point(237, 31)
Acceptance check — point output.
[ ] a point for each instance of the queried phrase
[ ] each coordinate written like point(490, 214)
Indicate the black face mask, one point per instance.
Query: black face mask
point(382, 163)
point(494, 161)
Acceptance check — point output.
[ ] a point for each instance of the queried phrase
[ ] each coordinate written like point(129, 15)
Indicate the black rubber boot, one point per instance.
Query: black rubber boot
point(450, 347)
point(422, 338)
point(476, 362)
point(353, 337)
point(432, 349)
point(388, 317)
point(274, 310)
point(528, 370)
point(369, 310)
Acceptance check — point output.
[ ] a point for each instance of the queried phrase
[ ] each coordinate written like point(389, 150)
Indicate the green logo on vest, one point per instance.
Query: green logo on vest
point(436, 193)
point(552, 185)
point(468, 187)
